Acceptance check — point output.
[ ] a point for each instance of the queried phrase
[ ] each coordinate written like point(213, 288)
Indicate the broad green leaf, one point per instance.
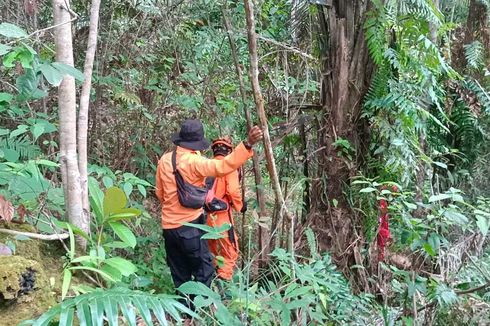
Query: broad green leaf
point(142, 190)
point(480, 212)
point(10, 155)
point(114, 200)
point(124, 233)
point(212, 236)
point(198, 288)
point(439, 197)
point(124, 213)
point(37, 130)
point(203, 227)
point(21, 129)
point(441, 165)
point(69, 70)
point(96, 198)
point(11, 31)
point(455, 217)
point(113, 272)
point(124, 266)
point(95, 270)
point(107, 181)
point(76, 230)
point(66, 283)
point(6, 97)
point(4, 49)
point(358, 182)
point(47, 163)
point(368, 189)
point(52, 75)
point(428, 249)
point(4, 132)
point(410, 205)
point(482, 223)
point(83, 259)
point(128, 188)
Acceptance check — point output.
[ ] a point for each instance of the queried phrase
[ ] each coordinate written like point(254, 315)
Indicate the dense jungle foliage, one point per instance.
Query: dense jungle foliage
point(378, 113)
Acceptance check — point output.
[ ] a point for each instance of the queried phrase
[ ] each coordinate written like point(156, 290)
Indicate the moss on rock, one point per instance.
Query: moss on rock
point(27, 279)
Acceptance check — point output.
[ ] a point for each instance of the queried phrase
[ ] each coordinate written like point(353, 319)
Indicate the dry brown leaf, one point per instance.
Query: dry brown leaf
point(6, 210)
point(21, 211)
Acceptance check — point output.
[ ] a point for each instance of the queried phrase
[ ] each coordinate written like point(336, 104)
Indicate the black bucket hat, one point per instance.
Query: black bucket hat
point(191, 136)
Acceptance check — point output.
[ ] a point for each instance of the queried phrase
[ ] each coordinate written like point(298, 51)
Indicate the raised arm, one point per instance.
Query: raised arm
point(218, 168)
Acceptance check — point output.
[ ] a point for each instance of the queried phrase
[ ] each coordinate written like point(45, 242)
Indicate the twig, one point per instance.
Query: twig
point(478, 288)
point(37, 235)
point(286, 47)
point(43, 30)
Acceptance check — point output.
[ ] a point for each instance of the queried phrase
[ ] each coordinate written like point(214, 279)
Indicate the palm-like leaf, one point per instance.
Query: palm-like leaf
point(94, 307)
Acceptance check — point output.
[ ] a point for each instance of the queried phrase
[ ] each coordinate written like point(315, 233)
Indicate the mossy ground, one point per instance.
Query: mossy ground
point(44, 257)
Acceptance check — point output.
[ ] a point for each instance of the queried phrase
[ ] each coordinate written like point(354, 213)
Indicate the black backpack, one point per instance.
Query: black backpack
point(190, 196)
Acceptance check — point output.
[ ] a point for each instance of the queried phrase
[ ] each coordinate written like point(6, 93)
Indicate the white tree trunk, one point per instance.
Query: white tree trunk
point(68, 116)
point(84, 107)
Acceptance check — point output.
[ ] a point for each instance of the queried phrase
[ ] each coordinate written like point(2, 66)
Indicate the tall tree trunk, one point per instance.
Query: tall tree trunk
point(83, 111)
point(259, 103)
point(346, 73)
point(263, 234)
point(68, 116)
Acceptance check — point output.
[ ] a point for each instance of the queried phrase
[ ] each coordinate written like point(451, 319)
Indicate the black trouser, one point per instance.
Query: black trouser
point(188, 255)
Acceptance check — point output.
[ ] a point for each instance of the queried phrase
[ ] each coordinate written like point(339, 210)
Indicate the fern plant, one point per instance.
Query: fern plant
point(19, 148)
point(475, 55)
point(100, 306)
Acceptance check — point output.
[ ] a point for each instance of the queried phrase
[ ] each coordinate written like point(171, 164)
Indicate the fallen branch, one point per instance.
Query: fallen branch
point(37, 235)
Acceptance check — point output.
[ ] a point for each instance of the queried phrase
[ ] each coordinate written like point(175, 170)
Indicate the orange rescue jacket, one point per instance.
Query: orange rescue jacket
point(194, 169)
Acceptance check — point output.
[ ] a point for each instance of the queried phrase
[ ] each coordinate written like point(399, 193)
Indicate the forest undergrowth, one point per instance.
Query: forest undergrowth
point(378, 114)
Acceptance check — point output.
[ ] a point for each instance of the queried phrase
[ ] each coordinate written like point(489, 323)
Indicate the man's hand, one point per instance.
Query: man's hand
point(254, 135)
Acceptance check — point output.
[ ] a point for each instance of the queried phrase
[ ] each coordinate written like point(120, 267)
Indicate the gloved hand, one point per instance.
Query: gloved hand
point(244, 207)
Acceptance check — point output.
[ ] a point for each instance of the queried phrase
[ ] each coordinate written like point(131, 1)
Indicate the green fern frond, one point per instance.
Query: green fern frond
point(423, 9)
point(312, 245)
point(482, 95)
point(22, 145)
point(379, 86)
point(474, 53)
point(95, 307)
point(376, 37)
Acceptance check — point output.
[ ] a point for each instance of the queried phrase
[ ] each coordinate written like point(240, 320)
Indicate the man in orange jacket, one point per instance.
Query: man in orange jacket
point(227, 189)
point(188, 255)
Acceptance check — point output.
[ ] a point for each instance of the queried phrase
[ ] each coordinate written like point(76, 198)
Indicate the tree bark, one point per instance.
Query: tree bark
point(259, 103)
point(346, 73)
point(84, 110)
point(263, 234)
point(68, 116)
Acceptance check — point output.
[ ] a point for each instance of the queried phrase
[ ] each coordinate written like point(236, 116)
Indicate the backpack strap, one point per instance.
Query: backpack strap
point(210, 183)
point(174, 160)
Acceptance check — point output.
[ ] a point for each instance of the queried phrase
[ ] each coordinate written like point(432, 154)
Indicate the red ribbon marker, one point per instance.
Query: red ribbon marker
point(384, 235)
